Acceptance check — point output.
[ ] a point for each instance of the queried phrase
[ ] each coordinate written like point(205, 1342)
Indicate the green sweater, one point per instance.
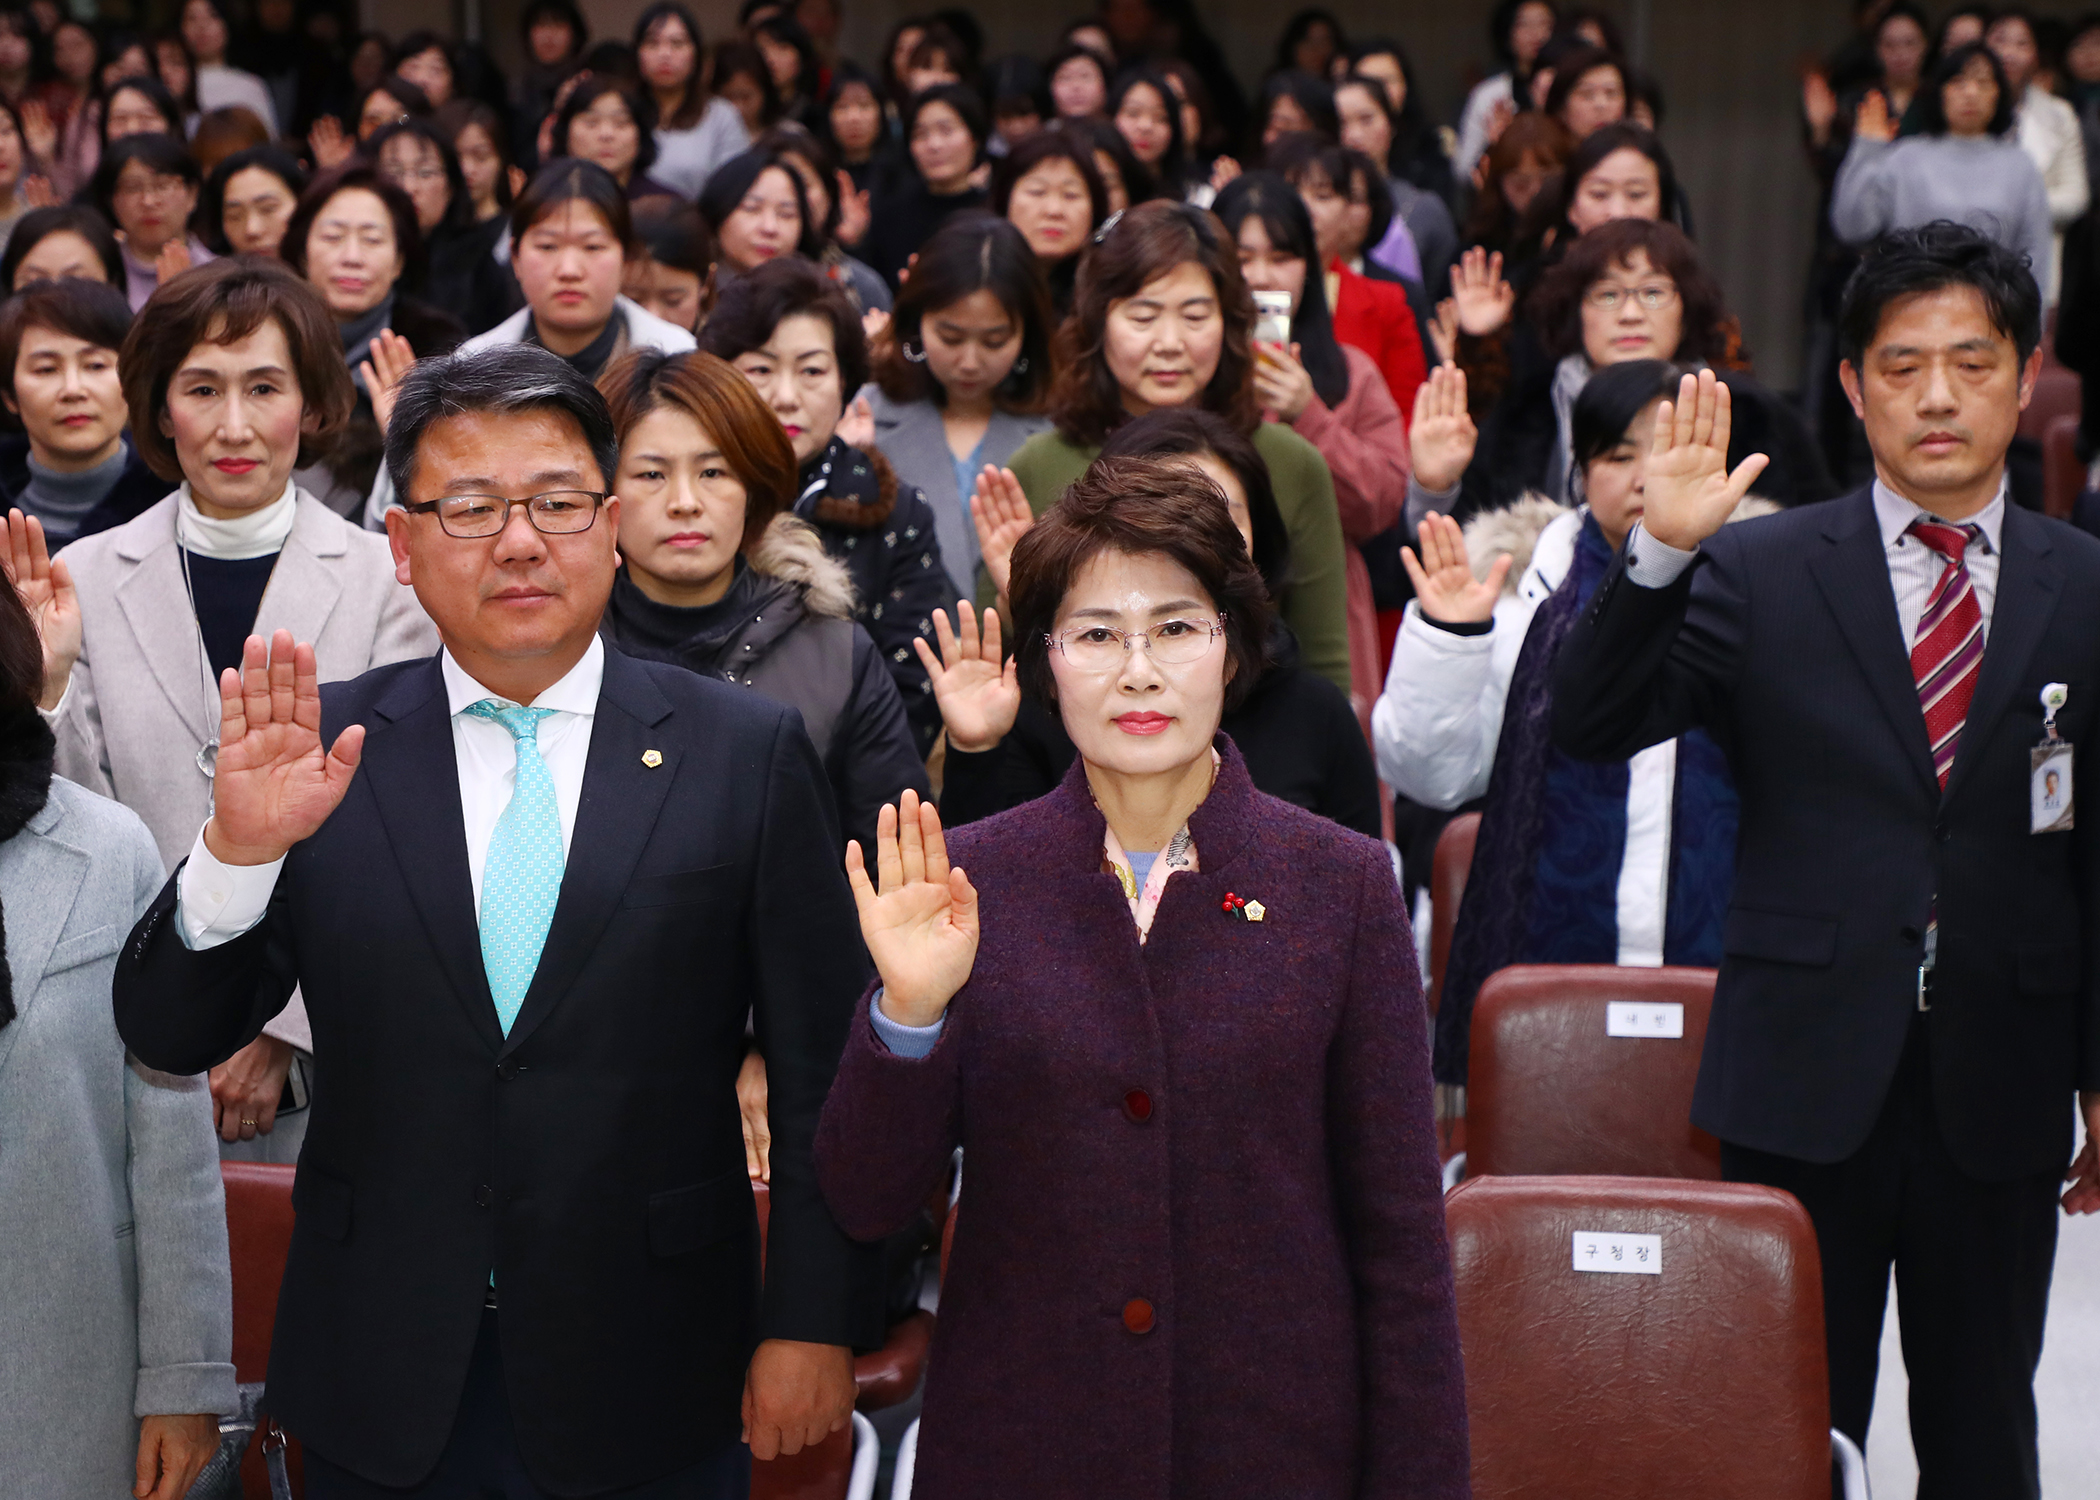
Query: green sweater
point(1315, 603)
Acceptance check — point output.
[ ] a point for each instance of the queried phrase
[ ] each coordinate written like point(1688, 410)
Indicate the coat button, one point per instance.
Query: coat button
point(1138, 1105)
point(484, 1196)
point(1137, 1315)
point(507, 1070)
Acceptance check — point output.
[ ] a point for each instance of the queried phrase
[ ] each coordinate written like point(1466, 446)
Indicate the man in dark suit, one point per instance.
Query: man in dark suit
point(1911, 987)
point(532, 889)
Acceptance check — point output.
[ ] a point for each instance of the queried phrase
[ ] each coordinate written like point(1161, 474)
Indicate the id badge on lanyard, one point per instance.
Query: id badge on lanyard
point(2049, 770)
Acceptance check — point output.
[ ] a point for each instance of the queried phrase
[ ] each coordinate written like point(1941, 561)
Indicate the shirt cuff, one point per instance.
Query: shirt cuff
point(1422, 502)
point(51, 716)
point(904, 1041)
point(1655, 565)
point(215, 903)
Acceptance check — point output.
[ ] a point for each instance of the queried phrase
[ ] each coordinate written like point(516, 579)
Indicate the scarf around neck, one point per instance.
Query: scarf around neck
point(358, 333)
point(1180, 854)
point(262, 532)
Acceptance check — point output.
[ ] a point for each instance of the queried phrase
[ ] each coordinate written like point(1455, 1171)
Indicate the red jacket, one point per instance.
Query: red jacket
point(1374, 317)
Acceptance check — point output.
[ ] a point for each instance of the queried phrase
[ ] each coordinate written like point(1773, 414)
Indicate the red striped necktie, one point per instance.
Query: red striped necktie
point(1947, 652)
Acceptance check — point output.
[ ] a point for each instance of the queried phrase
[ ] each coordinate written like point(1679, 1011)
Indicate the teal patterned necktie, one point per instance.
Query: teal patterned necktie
point(521, 879)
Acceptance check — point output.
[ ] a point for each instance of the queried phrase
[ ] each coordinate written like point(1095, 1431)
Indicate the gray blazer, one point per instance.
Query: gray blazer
point(141, 703)
point(911, 437)
point(115, 1298)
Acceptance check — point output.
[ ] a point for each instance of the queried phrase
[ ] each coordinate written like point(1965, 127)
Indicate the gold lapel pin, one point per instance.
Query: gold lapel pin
point(1256, 911)
point(652, 758)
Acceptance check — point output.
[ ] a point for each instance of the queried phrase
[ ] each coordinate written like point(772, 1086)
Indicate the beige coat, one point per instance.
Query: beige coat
point(141, 704)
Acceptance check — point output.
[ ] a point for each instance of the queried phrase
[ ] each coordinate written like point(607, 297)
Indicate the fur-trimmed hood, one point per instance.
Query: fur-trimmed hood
point(791, 551)
point(1515, 528)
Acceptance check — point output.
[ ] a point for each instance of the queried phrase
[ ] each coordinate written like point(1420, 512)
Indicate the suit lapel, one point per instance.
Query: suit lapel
point(413, 771)
point(157, 607)
point(2029, 579)
point(1853, 573)
point(614, 822)
point(50, 872)
point(307, 580)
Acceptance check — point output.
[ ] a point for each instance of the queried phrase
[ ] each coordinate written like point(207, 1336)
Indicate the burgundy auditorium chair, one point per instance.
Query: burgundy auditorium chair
point(259, 1237)
point(1448, 869)
point(1705, 1378)
point(1553, 1092)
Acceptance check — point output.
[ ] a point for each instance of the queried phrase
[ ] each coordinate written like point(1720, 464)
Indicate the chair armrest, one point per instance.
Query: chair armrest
point(891, 1373)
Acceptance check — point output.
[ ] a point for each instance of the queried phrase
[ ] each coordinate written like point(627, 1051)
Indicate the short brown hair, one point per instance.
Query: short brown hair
point(728, 408)
point(1146, 243)
point(91, 311)
point(1557, 304)
point(222, 303)
point(762, 298)
point(1138, 506)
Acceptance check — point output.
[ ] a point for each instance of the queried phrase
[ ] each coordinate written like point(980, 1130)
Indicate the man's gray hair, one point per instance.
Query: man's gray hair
point(501, 380)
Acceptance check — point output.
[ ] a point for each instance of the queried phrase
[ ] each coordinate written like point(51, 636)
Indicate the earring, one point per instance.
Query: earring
point(905, 349)
point(1021, 365)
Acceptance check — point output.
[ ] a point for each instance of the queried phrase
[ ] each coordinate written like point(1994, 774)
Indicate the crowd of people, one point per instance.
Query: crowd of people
point(712, 613)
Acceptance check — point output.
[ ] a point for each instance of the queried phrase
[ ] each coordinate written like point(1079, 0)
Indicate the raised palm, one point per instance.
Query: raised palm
point(1442, 437)
point(920, 922)
point(974, 685)
point(45, 588)
point(1484, 299)
point(1445, 587)
point(1687, 492)
point(1002, 516)
point(274, 785)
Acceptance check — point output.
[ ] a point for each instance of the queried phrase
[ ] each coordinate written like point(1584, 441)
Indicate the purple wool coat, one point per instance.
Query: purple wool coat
point(1200, 1252)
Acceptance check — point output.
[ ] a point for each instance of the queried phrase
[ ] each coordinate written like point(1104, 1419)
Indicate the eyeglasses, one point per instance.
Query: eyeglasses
point(1654, 296)
point(152, 187)
point(555, 513)
point(1102, 648)
point(419, 174)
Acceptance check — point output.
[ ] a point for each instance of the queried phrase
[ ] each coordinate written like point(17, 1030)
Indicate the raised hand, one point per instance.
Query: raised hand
point(39, 134)
point(391, 360)
point(329, 146)
point(1442, 436)
point(2083, 1195)
point(1222, 171)
point(1002, 516)
point(46, 590)
point(857, 424)
point(173, 260)
point(1687, 493)
point(1445, 587)
point(1872, 123)
point(1443, 331)
point(977, 690)
point(37, 191)
point(921, 924)
point(1819, 106)
point(854, 214)
point(274, 784)
point(1484, 299)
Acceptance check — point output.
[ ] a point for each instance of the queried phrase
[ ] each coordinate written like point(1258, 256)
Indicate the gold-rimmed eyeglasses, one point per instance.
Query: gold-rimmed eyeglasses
point(554, 513)
point(1101, 648)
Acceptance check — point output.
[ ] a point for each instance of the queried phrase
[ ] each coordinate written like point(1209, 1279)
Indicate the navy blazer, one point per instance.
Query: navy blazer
point(593, 1158)
point(1784, 642)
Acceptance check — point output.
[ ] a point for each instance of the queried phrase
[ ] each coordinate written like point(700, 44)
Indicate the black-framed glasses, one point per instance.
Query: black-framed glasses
point(554, 513)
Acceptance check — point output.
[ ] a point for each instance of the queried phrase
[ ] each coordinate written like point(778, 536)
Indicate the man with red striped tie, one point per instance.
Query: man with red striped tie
point(1911, 988)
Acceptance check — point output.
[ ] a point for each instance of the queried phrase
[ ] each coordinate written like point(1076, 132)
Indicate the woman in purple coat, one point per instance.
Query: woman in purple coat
point(1177, 1026)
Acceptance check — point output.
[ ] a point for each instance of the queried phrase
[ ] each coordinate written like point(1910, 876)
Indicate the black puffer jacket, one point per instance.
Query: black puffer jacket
point(785, 628)
point(882, 530)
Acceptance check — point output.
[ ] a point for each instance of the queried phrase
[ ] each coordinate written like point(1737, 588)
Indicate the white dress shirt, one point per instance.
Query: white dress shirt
point(1914, 568)
point(216, 903)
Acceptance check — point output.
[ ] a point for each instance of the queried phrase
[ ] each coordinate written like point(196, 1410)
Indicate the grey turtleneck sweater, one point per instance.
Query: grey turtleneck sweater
point(62, 501)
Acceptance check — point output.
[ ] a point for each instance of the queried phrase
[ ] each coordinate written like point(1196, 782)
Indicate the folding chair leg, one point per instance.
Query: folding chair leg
point(867, 1457)
point(1852, 1465)
point(908, 1460)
